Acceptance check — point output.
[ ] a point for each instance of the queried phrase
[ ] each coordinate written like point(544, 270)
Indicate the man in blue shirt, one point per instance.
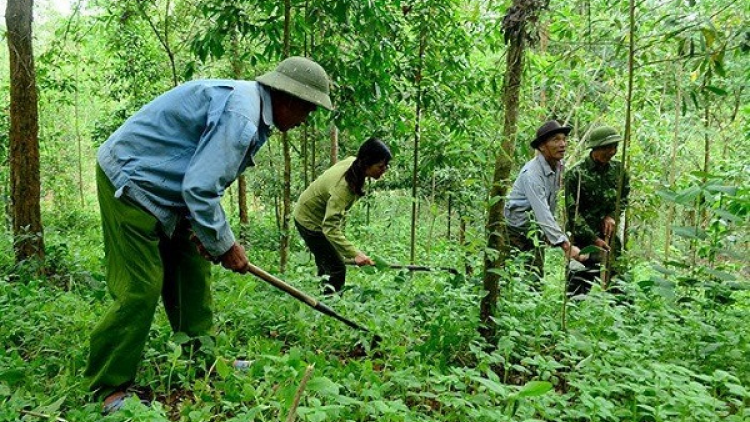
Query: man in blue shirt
point(530, 206)
point(160, 179)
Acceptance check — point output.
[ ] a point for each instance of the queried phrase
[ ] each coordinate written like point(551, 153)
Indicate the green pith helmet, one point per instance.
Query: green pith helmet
point(601, 136)
point(301, 77)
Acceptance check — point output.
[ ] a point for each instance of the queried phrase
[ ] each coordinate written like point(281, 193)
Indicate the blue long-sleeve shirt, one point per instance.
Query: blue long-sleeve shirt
point(535, 190)
point(177, 155)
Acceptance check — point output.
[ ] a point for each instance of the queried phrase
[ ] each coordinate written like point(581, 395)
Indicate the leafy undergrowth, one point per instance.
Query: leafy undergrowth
point(644, 358)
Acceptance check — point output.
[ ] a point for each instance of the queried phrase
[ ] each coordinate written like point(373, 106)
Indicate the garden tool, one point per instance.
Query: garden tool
point(382, 264)
point(307, 299)
point(423, 268)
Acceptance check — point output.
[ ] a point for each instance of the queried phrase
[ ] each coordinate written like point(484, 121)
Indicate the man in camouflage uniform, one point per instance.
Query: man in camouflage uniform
point(591, 203)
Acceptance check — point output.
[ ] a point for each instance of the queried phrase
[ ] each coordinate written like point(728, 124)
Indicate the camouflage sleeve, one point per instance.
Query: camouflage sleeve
point(582, 234)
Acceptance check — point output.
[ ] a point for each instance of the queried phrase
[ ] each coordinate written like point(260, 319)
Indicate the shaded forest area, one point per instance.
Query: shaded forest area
point(457, 90)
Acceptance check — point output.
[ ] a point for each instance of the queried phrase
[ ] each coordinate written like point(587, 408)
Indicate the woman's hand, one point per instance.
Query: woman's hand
point(362, 260)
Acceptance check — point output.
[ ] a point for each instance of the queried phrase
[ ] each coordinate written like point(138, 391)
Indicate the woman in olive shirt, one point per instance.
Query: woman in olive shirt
point(320, 211)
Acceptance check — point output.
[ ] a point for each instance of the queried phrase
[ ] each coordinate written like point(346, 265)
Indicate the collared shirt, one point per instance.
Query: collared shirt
point(322, 206)
point(535, 190)
point(178, 154)
point(591, 195)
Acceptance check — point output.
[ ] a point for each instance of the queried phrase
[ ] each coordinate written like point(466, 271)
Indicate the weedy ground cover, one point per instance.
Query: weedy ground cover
point(647, 358)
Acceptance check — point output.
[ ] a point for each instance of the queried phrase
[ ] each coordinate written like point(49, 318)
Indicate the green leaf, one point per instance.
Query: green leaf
point(727, 215)
point(534, 389)
point(493, 386)
point(52, 407)
point(324, 386)
point(590, 249)
point(738, 286)
point(688, 195)
point(721, 275)
point(12, 376)
point(729, 190)
point(689, 232)
point(716, 90)
point(667, 194)
point(662, 270)
point(180, 337)
point(223, 368)
point(494, 200)
point(737, 390)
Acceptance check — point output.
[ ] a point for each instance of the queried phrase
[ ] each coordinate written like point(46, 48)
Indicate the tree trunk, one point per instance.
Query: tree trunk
point(287, 194)
point(334, 144)
point(497, 237)
point(237, 71)
point(25, 181)
point(415, 167)
point(450, 211)
point(605, 275)
point(672, 169)
point(79, 140)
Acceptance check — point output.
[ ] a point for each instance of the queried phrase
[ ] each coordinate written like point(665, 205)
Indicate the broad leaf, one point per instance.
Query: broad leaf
point(689, 232)
point(534, 389)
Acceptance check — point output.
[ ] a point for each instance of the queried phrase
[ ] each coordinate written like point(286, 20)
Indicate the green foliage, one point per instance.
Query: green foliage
point(714, 241)
point(674, 348)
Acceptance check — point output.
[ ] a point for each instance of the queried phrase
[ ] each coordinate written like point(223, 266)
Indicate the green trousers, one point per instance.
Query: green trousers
point(142, 264)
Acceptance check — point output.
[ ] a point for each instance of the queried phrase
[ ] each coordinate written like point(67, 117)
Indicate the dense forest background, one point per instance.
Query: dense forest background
point(428, 77)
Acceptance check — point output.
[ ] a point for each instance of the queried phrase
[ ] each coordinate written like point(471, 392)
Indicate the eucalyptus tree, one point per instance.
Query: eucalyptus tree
point(25, 186)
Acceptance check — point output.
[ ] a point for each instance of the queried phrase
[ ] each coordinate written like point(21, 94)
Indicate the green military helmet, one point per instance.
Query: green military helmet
point(602, 136)
point(302, 78)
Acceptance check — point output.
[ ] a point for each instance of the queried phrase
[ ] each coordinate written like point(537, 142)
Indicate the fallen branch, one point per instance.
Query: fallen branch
point(42, 415)
point(293, 410)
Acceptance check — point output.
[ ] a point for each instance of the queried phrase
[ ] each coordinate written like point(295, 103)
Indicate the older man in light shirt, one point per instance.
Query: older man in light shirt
point(160, 180)
point(530, 206)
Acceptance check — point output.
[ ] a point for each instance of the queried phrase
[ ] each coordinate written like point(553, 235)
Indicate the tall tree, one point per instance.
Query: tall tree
point(518, 28)
point(24, 134)
point(286, 210)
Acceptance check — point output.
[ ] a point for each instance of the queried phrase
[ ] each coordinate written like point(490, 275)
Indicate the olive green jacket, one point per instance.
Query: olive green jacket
point(322, 207)
point(590, 196)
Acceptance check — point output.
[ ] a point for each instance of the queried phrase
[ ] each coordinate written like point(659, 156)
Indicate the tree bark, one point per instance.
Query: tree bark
point(415, 167)
point(237, 71)
point(672, 169)
point(334, 144)
point(497, 237)
point(606, 273)
point(25, 180)
point(287, 194)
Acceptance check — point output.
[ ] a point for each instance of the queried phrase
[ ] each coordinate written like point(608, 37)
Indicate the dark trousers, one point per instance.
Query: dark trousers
point(581, 281)
point(327, 260)
point(532, 252)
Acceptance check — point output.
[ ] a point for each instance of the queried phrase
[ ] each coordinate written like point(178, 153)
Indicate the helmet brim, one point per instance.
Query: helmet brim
point(281, 82)
point(609, 140)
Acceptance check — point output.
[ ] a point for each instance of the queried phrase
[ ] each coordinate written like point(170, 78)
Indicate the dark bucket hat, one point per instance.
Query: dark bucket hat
point(547, 130)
